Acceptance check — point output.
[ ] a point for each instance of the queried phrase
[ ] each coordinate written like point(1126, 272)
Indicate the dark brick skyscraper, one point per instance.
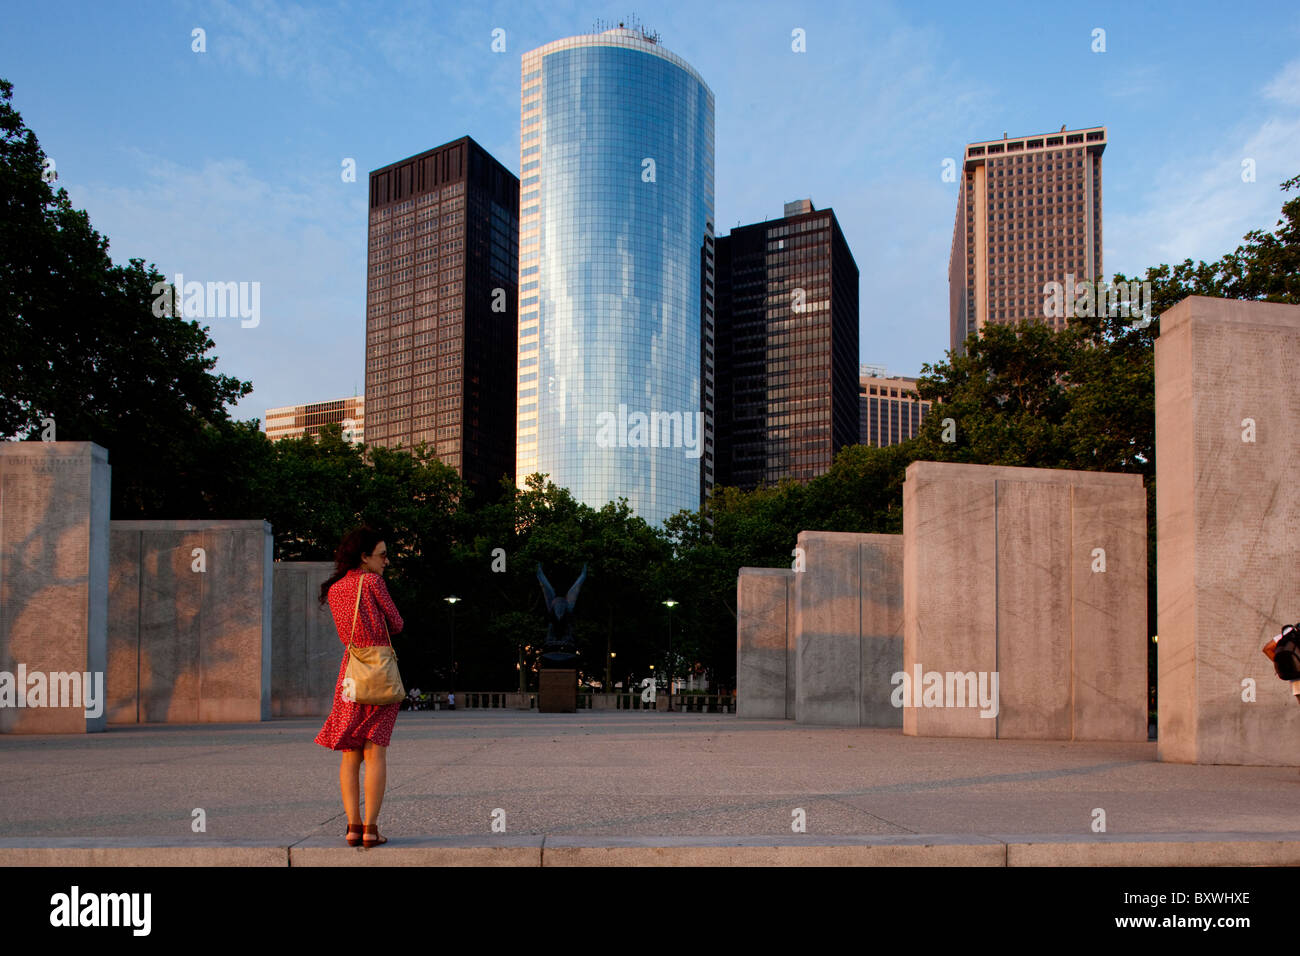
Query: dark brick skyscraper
point(441, 299)
point(1028, 213)
point(787, 348)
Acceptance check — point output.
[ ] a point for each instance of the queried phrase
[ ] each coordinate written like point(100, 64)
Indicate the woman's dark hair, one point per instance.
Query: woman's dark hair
point(357, 542)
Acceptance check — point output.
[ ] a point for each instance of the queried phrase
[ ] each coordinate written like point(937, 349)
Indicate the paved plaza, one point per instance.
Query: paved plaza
point(706, 788)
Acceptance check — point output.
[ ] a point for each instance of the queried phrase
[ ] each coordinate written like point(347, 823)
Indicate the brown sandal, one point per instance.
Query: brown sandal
point(372, 831)
point(356, 828)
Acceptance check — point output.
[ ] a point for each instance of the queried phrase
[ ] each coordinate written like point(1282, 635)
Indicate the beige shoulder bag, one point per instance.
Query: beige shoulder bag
point(372, 676)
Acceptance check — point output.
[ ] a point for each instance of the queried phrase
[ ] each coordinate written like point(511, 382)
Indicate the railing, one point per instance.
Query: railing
point(587, 700)
point(704, 703)
point(473, 700)
point(616, 701)
point(682, 703)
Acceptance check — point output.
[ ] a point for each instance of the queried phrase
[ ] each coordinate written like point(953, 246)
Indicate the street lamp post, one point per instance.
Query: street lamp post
point(452, 599)
point(670, 604)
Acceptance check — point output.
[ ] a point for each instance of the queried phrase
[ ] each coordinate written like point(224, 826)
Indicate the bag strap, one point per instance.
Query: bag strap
point(356, 610)
point(352, 633)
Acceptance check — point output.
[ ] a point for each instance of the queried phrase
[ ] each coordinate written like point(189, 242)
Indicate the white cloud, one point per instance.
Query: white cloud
point(865, 131)
point(1285, 87)
point(1133, 80)
point(303, 241)
point(285, 40)
point(435, 53)
point(1199, 207)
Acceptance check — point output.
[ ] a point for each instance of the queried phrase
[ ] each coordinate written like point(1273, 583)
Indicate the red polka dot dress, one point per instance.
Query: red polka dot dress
point(350, 724)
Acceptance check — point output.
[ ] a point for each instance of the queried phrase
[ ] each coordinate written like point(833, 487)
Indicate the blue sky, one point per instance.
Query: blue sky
point(225, 165)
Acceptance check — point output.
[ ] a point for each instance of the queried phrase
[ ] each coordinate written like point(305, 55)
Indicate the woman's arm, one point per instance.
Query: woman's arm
point(385, 601)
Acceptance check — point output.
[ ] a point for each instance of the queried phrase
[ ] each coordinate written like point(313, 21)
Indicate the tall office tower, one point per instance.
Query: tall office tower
point(440, 309)
point(892, 411)
point(295, 421)
point(616, 273)
point(787, 348)
point(1028, 213)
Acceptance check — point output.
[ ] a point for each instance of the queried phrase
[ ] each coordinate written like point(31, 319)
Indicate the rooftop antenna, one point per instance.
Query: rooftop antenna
point(629, 23)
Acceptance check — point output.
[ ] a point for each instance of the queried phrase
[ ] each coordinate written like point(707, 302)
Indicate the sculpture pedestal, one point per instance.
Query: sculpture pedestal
point(558, 691)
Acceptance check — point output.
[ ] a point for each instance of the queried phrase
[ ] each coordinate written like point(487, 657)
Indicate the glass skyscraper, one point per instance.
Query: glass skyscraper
point(616, 273)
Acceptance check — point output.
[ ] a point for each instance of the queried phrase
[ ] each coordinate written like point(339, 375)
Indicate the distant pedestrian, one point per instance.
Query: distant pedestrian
point(451, 701)
point(361, 731)
point(1287, 665)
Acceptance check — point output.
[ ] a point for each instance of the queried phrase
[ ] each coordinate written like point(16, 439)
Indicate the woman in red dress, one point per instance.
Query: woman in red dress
point(360, 731)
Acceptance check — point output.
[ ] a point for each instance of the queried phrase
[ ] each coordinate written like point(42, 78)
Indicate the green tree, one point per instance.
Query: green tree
point(1081, 398)
point(541, 523)
point(81, 345)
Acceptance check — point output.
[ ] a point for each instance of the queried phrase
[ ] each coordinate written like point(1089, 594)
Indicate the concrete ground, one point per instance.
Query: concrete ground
point(632, 787)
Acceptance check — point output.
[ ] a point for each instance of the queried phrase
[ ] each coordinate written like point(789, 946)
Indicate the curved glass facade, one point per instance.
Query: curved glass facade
point(616, 224)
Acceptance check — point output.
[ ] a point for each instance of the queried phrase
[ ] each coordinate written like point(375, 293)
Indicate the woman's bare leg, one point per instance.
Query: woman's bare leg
point(376, 758)
point(350, 785)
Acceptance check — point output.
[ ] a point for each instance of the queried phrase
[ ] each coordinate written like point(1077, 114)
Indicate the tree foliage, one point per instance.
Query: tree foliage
point(82, 346)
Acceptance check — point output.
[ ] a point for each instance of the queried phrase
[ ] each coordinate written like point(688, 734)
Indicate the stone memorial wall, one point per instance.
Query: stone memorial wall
point(189, 633)
point(305, 646)
point(848, 622)
point(1228, 528)
point(54, 553)
point(764, 647)
point(1025, 592)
